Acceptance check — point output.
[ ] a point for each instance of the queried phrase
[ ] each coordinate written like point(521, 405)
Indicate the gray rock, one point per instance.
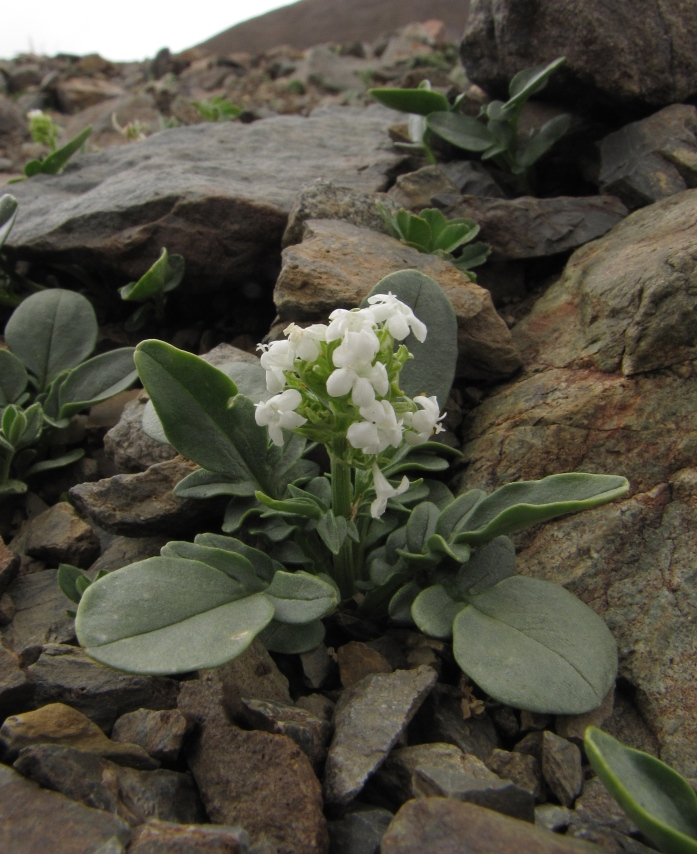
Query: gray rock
point(160, 733)
point(443, 770)
point(15, 687)
point(135, 796)
point(337, 264)
point(129, 446)
point(596, 807)
point(535, 228)
point(64, 674)
point(421, 189)
point(323, 199)
point(561, 767)
point(164, 837)
point(441, 719)
point(368, 720)
point(553, 817)
point(322, 67)
point(41, 613)
point(309, 732)
point(9, 566)
point(447, 826)
point(33, 819)
point(124, 550)
point(651, 159)
point(142, 504)
point(317, 666)
point(359, 832)
point(113, 211)
point(614, 57)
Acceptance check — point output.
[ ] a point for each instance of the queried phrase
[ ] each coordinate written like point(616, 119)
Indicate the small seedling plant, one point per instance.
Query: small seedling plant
point(661, 803)
point(493, 134)
point(152, 289)
point(430, 232)
point(46, 377)
point(43, 129)
point(376, 534)
point(218, 109)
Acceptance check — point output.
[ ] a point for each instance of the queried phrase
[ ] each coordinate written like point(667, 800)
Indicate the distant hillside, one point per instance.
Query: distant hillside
point(311, 22)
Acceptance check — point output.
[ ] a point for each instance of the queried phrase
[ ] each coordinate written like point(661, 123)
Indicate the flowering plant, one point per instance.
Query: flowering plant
point(363, 536)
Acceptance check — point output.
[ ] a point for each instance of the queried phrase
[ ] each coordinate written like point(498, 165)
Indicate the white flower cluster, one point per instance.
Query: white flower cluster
point(351, 358)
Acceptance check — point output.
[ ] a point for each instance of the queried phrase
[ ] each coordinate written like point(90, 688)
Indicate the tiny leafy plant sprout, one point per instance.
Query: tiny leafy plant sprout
point(152, 288)
point(46, 377)
point(218, 109)
point(43, 129)
point(656, 798)
point(430, 232)
point(493, 134)
point(377, 534)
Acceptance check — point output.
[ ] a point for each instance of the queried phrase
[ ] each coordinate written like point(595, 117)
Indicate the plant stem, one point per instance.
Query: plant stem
point(342, 495)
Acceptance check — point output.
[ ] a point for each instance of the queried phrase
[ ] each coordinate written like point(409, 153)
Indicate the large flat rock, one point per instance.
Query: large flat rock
point(218, 194)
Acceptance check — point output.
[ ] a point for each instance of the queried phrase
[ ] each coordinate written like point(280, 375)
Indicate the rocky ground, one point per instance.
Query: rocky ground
point(577, 350)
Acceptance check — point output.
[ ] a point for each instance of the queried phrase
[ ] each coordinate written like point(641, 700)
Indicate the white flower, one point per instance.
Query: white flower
point(363, 381)
point(35, 114)
point(342, 321)
point(278, 356)
point(398, 317)
point(384, 491)
point(424, 423)
point(304, 341)
point(277, 414)
point(379, 430)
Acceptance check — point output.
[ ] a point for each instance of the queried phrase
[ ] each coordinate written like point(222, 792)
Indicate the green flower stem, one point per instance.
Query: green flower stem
point(342, 500)
point(5, 468)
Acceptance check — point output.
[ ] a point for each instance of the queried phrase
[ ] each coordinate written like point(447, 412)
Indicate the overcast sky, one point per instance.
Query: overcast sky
point(119, 30)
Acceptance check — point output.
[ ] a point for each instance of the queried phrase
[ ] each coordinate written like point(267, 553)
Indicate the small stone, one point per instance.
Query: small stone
point(57, 723)
point(443, 770)
point(441, 719)
point(34, 819)
point(524, 770)
point(160, 733)
point(553, 817)
point(60, 536)
point(532, 721)
point(445, 826)
point(15, 687)
point(310, 733)
point(41, 613)
point(135, 796)
point(64, 673)
point(317, 666)
point(368, 720)
point(357, 660)
point(318, 705)
point(7, 609)
point(561, 767)
point(164, 837)
point(573, 727)
point(359, 832)
point(9, 566)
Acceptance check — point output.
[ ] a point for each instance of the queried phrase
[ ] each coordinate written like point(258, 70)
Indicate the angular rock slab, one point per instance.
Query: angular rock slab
point(218, 194)
point(445, 826)
point(527, 227)
point(651, 159)
point(613, 55)
point(369, 718)
point(41, 612)
point(626, 302)
point(32, 820)
point(337, 264)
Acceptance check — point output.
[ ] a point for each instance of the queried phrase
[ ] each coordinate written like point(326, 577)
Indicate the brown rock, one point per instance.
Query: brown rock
point(561, 767)
point(59, 536)
point(357, 660)
point(142, 504)
point(165, 837)
point(33, 819)
point(80, 92)
point(57, 723)
point(337, 264)
point(159, 733)
point(446, 826)
point(9, 566)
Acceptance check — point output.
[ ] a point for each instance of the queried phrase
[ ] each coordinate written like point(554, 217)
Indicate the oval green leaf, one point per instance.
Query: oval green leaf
point(50, 332)
point(656, 798)
point(166, 615)
point(533, 645)
point(419, 101)
point(461, 131)
point(433, 612)
point(299, 597)
point(97, 379)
